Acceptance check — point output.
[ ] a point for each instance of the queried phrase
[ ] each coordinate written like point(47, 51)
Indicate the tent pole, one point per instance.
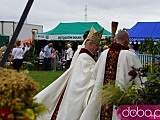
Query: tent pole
point(15, 34)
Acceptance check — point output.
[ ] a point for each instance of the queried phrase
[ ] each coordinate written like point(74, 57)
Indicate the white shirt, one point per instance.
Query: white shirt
point(69, 53)
point(17, 53)
point(25, 49)
point(47, 51)
point(132, 50)
point(41, 55)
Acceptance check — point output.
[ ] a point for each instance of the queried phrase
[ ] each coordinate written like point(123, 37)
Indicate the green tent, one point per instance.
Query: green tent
point(70, 31)
point(3, 38)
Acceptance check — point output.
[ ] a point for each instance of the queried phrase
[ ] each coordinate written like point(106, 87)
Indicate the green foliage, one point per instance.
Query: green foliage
point(108, 41)
point(111, 94)
point(156, 48)
point(30, 66)
point(104, 42)
point(147, 93)
point(115, 95)
point(149, 47)
point(152, 89)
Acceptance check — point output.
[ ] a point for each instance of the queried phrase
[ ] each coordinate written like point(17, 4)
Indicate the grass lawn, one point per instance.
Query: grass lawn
point(44, 78)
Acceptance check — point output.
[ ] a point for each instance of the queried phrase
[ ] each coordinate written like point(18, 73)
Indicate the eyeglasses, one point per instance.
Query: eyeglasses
point(96, 44)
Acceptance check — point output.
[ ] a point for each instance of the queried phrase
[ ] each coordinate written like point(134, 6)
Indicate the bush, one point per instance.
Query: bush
point(30, 66)
point(17, 92)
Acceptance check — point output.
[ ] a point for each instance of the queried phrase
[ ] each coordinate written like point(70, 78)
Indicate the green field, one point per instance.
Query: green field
point(44, 78)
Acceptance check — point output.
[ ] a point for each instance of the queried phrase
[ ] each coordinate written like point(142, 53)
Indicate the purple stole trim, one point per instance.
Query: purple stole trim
point(83, 50)
point(55, 113)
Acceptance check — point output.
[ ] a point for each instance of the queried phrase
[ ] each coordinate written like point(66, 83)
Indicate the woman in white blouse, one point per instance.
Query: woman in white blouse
point(17, 56)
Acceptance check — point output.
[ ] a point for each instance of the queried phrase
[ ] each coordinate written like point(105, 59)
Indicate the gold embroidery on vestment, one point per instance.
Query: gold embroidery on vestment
point(110, 76)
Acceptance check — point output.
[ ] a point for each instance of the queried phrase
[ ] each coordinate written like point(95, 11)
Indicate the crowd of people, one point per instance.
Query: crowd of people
point(19, 53)
point(75, 95)
point(48, 56)
point(52, 59)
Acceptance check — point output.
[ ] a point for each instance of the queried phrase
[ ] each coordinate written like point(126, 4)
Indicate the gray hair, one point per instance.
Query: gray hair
point(68, 45)
point(50, 45)
point(88, 42)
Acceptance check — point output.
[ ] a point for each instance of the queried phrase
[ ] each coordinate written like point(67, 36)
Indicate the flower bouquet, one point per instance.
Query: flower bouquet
point(146, 94)
point(16, 96)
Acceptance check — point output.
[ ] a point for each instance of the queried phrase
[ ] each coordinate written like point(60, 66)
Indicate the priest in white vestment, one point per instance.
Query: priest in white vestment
point(76, 54)
point(113, 64)
point(65, 97)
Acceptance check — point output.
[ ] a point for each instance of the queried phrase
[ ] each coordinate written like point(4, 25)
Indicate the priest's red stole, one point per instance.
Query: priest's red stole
point(110, 76)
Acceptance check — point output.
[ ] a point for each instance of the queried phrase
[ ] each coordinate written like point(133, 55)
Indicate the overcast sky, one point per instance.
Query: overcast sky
point(50, 13)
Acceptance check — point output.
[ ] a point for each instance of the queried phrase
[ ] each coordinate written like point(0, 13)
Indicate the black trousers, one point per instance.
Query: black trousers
point(17, 64)
point(46, 64)
point(68, 63)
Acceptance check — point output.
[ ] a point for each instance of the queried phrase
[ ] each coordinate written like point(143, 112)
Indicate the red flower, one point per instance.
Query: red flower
point(132, 73)
point(5, 113)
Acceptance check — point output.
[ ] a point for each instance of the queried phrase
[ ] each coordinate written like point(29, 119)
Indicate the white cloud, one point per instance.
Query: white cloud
point(50, 13)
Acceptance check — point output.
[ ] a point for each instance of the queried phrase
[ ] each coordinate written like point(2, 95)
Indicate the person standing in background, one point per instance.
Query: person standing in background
point(69, 55)
point(41, 54)
point(131, 48)
point(3, 50)
point(47, 56)
point(25, 48)
point(54, 59)
point(105, 47)
point(5, 46)
point(30, 53)
point(17, 56)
